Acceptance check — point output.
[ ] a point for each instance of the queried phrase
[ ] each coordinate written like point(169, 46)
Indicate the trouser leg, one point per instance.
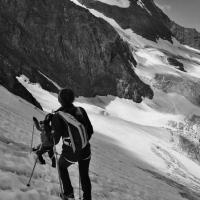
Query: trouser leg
point(51, 153)
point(85, 179)
point(52, 156)
point(41, 150)
point(64, 175)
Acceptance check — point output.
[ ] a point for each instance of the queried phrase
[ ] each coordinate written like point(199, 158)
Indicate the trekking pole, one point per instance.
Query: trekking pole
point(79, 187)
point(32, 139)
point(28, 184)
point(57, 166)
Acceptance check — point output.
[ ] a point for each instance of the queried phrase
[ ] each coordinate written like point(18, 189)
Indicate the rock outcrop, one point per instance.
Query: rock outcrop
point(147, 20)
point(69, 45)
point(139, 16)
point(188, 36)
point(8, 80)
point(178, 65)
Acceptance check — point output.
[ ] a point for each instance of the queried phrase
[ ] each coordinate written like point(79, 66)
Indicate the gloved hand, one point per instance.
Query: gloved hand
point(37, 124)
point(34, 149)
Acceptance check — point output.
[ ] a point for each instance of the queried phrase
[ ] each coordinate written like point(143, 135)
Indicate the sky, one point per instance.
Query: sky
point(183, 12)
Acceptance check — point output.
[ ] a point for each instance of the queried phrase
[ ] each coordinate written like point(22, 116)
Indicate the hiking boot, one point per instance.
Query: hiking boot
point(53, 162)
point(41, 160)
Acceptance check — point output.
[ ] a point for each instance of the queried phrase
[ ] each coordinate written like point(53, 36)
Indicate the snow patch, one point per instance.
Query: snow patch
point(141, 4)
point(119, 3)
point(192, 49)
point(54, 83)
point(78, 3)
point(193, 69)
point(141, 113)
point(47, 100)
point(151, 62)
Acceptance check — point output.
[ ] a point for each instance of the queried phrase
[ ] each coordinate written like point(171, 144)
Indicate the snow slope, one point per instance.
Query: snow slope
point(133, 157)
point(121, 168)
point(46, 99)
point(139, 128)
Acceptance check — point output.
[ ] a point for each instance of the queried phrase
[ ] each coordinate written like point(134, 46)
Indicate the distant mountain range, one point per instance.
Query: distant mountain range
point(146, 19)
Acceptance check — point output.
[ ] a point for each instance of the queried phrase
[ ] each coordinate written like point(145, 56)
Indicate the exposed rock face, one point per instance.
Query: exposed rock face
point(69, 45)
point(147, 20)
point(139, 16)
point(186, 36)
point(8, 80)
point(173, 61)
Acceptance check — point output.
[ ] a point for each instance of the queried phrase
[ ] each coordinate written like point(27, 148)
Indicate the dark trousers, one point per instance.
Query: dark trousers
point(40, 150)
point(84, 176)
point(43, 149)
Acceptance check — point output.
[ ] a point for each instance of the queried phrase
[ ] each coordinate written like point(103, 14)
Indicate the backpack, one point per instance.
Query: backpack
point(77, 131)
point(45, 128)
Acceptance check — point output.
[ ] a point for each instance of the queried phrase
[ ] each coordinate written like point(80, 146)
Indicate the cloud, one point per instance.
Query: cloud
point(163, 7)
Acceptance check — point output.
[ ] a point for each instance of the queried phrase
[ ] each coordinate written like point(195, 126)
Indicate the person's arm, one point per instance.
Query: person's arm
point(57, 128)
point(88, 123)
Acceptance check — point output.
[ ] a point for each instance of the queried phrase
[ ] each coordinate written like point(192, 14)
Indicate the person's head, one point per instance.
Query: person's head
point(66, 97)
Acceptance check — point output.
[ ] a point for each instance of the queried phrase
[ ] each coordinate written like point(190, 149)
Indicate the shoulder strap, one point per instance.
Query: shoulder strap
point(69, 118)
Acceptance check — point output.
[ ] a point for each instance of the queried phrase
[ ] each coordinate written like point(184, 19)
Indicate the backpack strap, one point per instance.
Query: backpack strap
point(78, 138)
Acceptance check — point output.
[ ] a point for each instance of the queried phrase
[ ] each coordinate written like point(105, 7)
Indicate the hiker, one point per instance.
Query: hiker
point(46, 144)
point(68, 156)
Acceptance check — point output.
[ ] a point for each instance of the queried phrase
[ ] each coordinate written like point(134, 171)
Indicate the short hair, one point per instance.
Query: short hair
point(66, 96)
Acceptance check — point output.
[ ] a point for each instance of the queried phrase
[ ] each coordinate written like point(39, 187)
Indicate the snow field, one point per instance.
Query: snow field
point(115, 173)
point(46, 99)
point(16, 162)
point(139, 128)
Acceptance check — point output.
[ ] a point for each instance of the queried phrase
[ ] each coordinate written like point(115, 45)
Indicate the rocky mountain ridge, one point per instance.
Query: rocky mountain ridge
point(75, 49)
point(147, 20)
point(187, 36)
point(140, 17)
point(69, 45)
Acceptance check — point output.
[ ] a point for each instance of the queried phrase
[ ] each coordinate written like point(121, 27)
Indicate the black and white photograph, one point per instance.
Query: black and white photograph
point(99, 100)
